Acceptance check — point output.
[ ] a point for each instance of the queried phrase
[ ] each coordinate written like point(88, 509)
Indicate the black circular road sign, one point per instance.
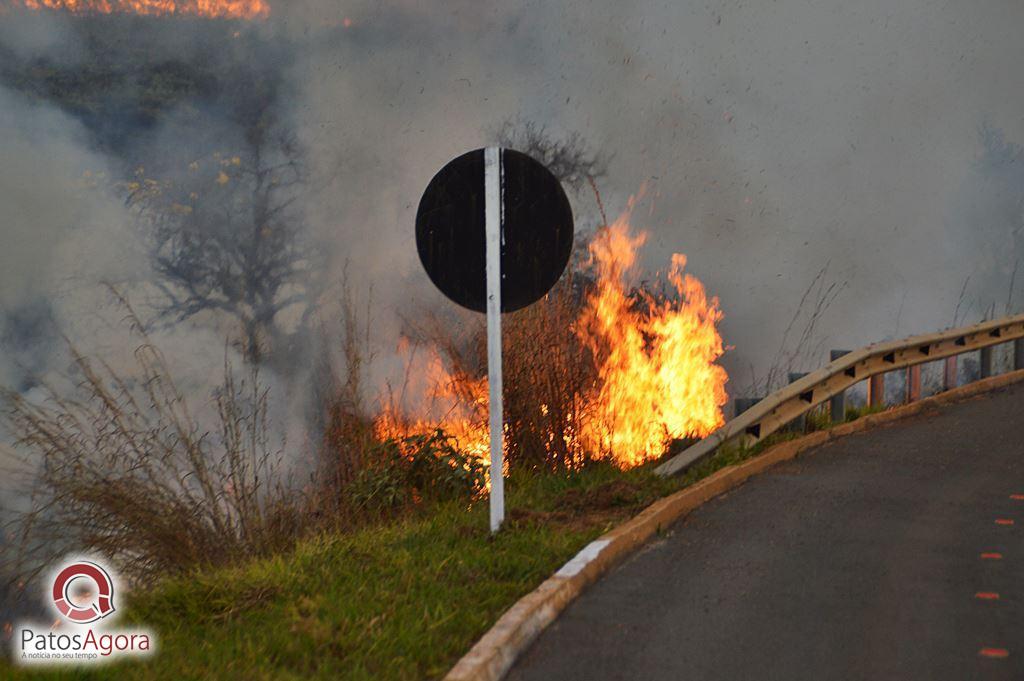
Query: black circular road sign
point(536, 230)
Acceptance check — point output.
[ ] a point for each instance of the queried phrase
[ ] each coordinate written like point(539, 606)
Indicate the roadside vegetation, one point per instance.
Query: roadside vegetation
point(397, 582)
point(401, 598)
point(377, 564)
point(396, 599)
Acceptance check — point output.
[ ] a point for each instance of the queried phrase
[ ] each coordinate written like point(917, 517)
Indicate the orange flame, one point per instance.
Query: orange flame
point(214, 9)
point(658, 379)
point(457, 406)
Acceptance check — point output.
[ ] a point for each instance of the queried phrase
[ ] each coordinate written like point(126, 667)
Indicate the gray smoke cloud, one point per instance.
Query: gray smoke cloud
point(63, 232)
point(771, 139)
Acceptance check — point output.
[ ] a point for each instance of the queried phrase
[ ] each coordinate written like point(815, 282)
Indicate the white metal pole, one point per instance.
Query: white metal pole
point(493, 217)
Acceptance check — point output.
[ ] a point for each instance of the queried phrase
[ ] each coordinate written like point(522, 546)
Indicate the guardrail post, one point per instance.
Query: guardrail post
point(876, 391)
point(799, 424)
point(837, 403)
point(741, 404)
point(985, 362)
point(949, 373)
point(1018, 353)
point(914, 383)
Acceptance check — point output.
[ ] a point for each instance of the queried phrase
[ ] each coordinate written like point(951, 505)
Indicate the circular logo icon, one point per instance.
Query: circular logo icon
point(100, 598)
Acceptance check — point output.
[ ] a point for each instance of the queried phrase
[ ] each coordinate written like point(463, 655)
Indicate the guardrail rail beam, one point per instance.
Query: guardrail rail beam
point(828, 383)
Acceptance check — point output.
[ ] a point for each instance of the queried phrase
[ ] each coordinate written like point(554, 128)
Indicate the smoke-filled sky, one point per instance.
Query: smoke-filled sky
point(772, 138)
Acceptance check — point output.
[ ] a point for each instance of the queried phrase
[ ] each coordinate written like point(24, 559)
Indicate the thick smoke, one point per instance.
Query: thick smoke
point(772, 139)
point(63, 233)
point(876, 143)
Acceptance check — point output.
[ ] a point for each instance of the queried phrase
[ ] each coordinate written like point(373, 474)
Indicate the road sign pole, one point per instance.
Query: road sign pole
point(493, 210)
point(521, 241)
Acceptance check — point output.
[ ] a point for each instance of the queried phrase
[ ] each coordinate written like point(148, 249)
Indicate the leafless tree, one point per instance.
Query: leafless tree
point(229, 237)
point(569, 157)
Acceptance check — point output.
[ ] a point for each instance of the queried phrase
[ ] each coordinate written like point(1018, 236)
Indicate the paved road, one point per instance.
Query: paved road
point(861, 560)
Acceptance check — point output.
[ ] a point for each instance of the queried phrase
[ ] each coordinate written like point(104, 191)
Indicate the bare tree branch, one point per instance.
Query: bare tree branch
point(569, 158)
point(229, 237)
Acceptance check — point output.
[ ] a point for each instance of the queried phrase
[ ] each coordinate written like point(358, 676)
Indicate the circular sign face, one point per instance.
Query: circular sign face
point(536, 230)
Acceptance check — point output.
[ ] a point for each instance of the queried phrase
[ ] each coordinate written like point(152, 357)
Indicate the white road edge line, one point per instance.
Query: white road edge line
point(583, 558)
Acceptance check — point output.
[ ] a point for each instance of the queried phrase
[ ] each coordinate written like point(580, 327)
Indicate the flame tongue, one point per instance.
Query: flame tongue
point(227, 9)
point(458, 404)
point(658, 379)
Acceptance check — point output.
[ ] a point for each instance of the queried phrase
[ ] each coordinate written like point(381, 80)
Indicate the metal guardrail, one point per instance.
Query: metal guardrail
point(801, 396)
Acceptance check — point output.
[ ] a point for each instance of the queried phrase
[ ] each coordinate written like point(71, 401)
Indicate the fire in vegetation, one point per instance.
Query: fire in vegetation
point(598, 369)
point(213, 9)
point(453, 401)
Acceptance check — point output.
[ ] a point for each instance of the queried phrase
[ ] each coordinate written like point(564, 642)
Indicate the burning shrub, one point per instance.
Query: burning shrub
point(655, 350)
point(596, 369)
point(425, 467)
point(547, 372)
point(234, 9)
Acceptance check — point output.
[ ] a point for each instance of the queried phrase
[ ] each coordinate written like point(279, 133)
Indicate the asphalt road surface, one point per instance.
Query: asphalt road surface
point(894, 554)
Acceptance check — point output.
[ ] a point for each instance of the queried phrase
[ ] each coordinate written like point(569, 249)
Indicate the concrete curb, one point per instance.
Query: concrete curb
point(494, 654)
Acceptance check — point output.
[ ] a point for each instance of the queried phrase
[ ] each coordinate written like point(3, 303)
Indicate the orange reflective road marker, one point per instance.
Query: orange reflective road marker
point(998, 653)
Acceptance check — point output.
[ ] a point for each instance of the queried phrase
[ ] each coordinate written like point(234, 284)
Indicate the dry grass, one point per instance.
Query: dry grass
point(549, 371)
point(120, 465)
point(348, 439)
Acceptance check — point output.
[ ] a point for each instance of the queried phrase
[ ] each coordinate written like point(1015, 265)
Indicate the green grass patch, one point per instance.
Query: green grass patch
point(403, 600)
point(854, 413)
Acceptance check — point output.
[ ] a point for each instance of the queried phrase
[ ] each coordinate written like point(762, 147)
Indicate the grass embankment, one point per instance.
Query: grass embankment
point(399, 600)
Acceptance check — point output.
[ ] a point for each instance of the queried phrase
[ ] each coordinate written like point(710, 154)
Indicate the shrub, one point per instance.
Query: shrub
point(547, 373)
point(348, 440)
point(120, 465)
point(425, 467)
